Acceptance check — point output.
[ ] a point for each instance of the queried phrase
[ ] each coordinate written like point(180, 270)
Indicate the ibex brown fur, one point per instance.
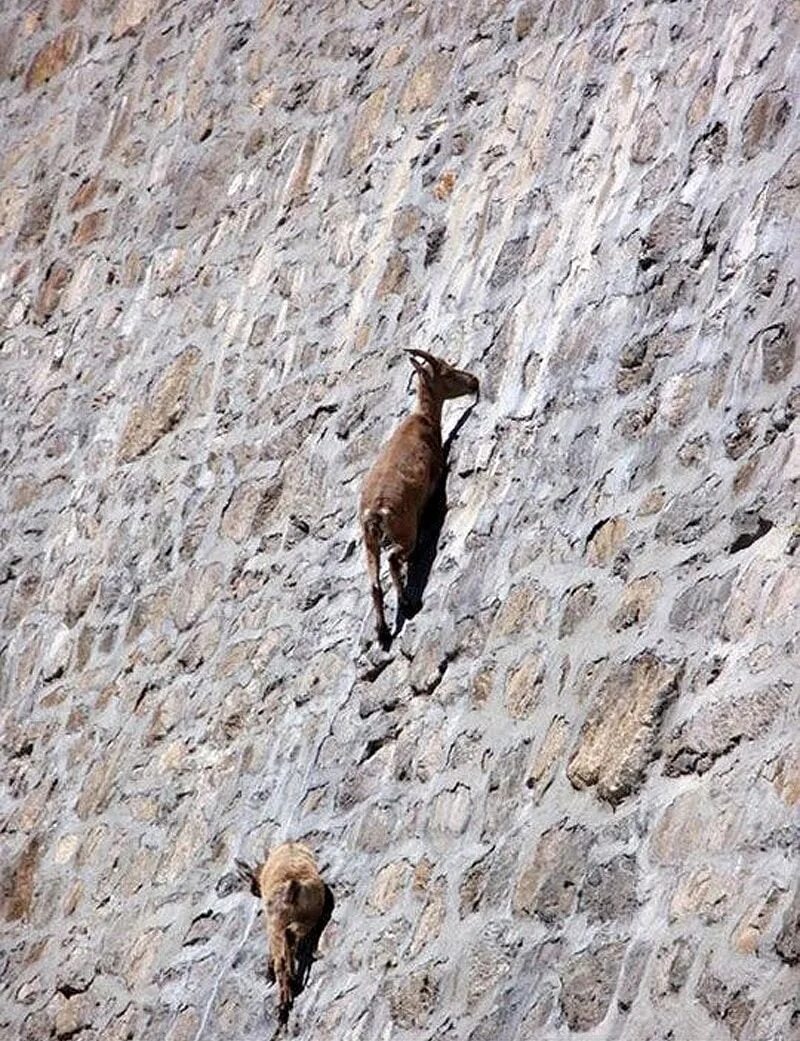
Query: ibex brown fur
point(404, 475)
point(297, 907)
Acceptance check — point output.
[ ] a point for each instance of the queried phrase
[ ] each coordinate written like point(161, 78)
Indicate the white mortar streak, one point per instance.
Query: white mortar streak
point(221, 976)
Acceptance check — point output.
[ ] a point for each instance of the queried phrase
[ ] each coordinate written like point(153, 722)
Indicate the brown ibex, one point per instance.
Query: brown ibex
point(403, 477)
point(297, 907)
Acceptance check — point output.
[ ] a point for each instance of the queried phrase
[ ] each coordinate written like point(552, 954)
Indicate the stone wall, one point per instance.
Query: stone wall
point(564, 804)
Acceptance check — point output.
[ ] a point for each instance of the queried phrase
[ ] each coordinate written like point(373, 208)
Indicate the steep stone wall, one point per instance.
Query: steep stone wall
point(564, 804)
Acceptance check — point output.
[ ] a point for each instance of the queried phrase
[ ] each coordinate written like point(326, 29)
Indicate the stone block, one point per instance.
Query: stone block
point(619, 738)
point(53, 58)
point(550, 882)
point(589, 981)
point(166, 404)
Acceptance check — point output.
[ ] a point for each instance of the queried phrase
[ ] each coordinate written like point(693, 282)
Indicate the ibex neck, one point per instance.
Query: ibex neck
point(428, 404)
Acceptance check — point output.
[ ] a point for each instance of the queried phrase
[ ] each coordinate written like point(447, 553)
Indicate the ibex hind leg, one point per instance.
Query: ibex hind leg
point(372, 547)
point(398, 565)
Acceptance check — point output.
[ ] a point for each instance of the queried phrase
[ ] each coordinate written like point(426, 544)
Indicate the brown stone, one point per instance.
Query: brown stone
point(778, 351)
point(648, 136)
point(413, 997)
point(430, 922)
point(19, 881)
point(618, 740)
point(787, 942)
point(88, 228)
point(588, 984)
point(716, 728)
point(57, 279)
point(728, 1004)
point(166, 405)
point(700, 104)
point(53, 58)
point(749, 931)
point(36, 219)
point(394, 276)
point(85, 193)
point(765, 118)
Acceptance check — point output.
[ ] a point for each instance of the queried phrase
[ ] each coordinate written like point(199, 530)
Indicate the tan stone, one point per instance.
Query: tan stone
point(74, 1014)
point(523, 687)
point(388, 885)
point(526, 607)
point(703, 892)
point(66, 848)
point(443, 188)
point(368, 120)
point(786, 777)
point(543, 766)
point(167, 404)
point(129, 15)
point(652, 502)
point(749, 930)
point(637, 602)
point(606, 540)
point(248, 508)
point(53, 58)
point(429, 924)
point(700, 104)
point(617, 741)
point(425, 83)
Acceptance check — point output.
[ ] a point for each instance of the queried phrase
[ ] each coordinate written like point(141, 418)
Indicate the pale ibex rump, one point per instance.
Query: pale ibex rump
point(297, 907)
point(403, 477)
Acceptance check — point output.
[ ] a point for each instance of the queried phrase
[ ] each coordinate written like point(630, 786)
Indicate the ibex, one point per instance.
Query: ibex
point(403, 477)
point(297, 907)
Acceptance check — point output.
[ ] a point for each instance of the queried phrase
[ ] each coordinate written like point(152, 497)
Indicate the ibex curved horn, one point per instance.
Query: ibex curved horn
point(422, 354)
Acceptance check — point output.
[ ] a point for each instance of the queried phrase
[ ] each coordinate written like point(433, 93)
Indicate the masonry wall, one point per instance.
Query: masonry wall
point(564, 804)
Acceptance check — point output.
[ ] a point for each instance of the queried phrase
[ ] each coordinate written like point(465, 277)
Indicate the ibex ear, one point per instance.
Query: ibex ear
point(249, 876)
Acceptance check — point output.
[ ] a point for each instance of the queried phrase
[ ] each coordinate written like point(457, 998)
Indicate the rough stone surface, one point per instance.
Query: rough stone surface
point(564, 803)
